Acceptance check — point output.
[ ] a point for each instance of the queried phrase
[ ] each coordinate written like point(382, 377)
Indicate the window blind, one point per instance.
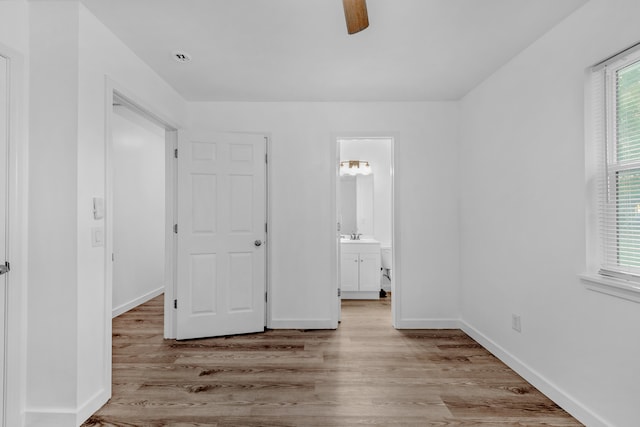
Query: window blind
point(616, 121)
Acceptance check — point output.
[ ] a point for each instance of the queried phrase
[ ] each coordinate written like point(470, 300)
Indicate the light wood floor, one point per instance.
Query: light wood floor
point(365, 373)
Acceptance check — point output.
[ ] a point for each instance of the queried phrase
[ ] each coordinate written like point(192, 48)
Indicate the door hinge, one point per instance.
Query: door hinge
point(266, 297)
point(265, 159)
point(113, 257)
point(339, 293)
point(265, 227)
point(175, 303)
point(175, 228)
point(175, 153)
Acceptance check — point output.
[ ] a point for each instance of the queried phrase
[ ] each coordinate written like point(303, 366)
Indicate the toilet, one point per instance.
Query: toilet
point(386, 259)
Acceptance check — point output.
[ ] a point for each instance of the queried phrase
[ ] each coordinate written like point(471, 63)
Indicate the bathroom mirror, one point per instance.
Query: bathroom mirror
point(356, 194)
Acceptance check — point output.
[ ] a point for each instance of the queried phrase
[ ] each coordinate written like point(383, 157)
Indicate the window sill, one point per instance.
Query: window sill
point(619, 288)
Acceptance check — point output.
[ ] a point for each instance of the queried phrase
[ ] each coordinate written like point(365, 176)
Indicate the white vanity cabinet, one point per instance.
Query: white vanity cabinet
point(360, 269)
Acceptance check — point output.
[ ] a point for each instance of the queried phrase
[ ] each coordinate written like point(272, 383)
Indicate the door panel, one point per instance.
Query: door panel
point(349, 272)
point(369, 272)
point(221, 227)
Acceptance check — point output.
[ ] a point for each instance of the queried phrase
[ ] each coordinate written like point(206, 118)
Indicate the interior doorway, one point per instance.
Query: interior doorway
point(222, 178)
point(139, 205)
point(365, 216)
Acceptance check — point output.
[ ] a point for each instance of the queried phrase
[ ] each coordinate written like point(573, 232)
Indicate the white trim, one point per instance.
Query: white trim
point(92, 404)
point(428, 324)
point(16, 344)
point(334, 288)
point(64, 417)
point(50, 417)
point(302, 324)
point(544, 385)
point(366, 295)
point(268, 309)
point(619, 288)
point(171, 240)
point(123, 308)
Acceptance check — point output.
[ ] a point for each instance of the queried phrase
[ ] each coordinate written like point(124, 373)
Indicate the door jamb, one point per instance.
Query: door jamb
point(15, 320)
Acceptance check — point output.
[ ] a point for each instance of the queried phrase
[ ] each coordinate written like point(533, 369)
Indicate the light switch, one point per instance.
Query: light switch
point(98, 208)
point(97, 237)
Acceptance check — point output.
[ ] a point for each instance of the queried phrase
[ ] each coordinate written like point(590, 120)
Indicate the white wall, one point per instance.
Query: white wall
point(14, 28)
point(302, 213)
point(522, 160)
point(378, 153)
point(72, 56)
point(52, 358)
point(138, 209)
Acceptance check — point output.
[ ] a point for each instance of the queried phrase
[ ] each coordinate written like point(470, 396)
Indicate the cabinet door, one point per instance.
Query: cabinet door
point(349, 272)
point(369, 271)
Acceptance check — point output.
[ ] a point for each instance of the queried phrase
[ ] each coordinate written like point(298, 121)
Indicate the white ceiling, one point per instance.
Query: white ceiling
point(299, 50)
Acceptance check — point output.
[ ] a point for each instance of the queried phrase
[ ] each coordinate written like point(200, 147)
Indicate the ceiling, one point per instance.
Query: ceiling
point(299, 50)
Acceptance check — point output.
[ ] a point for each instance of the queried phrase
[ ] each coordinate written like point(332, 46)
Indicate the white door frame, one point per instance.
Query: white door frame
point(15, 309)
point(396, 288)
point(171, 127)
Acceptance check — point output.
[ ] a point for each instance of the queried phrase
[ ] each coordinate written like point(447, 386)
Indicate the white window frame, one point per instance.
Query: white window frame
point(605, 275)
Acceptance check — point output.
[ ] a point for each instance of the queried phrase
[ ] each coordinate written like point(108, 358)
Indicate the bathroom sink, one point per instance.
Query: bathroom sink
point(361, 240)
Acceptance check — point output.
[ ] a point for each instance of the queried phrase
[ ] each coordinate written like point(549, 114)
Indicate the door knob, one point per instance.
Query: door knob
point(4, 268)
point(258, 242)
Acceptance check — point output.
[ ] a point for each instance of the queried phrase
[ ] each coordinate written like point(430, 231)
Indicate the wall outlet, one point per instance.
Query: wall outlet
point(515, 323)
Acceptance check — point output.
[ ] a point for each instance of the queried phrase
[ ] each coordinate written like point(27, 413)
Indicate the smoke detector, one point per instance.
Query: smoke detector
point(182, 57)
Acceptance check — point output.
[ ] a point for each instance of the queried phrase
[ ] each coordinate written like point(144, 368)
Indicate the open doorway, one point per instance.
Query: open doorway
point(364, 202)
point(139, 206)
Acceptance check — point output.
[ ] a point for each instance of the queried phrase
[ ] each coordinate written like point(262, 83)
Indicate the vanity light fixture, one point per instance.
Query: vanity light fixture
point(355, 167)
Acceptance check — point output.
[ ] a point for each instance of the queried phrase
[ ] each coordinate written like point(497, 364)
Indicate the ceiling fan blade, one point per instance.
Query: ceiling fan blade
point(355, 13)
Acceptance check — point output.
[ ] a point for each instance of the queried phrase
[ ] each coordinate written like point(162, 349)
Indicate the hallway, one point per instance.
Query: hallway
point(365, 373)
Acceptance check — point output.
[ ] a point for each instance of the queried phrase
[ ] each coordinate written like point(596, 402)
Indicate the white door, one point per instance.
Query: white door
point(221, 265)
point(4, 176)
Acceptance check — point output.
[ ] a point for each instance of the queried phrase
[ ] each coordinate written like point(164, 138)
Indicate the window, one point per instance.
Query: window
point(616, 120)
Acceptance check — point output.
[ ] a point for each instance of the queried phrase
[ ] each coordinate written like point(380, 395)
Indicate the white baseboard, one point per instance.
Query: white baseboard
point(427, 324)
point(50, 418)
point(301, 324)
point(92, 405)
point(548, 388)
point(369, 295)
point(136, 302)
point(65, 417)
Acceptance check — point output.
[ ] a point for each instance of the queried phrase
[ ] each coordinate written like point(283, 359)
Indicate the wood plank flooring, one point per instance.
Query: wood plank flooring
point(365, 373)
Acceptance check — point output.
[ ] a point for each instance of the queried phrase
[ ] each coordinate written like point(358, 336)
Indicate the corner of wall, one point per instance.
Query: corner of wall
point(544, 385)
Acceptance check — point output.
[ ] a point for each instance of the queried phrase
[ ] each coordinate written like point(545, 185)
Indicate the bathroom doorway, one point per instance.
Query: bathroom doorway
point(365, 217)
